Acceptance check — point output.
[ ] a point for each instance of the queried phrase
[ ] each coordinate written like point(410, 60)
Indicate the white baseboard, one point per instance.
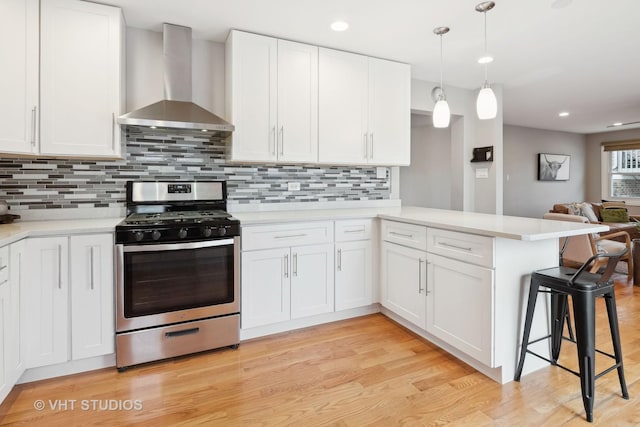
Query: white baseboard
point(68, 368)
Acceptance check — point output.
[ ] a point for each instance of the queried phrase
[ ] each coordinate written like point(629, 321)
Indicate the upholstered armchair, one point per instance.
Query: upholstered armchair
point(580, 248)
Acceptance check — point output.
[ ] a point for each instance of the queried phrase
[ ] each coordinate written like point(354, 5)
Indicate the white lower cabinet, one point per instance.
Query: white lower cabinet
point(353, 274)
point(286, 283)
point(460, 307)
point(92, 305)
point(47, 296)
point(5, 323)
point(18, 263)
point(403, 278)
point(266, 288)
point(69, 294)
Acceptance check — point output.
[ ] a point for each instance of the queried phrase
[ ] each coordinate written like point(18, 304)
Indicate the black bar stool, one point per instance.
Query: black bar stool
point(583, 288)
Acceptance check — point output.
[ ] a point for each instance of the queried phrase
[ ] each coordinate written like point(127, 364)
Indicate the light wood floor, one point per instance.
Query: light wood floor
point(365, 371)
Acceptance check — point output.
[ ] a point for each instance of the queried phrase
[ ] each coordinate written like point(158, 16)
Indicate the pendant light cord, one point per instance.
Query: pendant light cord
point(486, 66)
point(441, 62)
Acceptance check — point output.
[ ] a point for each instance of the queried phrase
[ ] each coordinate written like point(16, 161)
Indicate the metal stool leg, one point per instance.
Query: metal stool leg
point(585, 322)
point(612, 312)
point(558, 316)
point(531, 305)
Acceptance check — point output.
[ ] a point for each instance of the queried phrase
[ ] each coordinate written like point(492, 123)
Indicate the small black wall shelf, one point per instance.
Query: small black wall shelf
point(482, 154)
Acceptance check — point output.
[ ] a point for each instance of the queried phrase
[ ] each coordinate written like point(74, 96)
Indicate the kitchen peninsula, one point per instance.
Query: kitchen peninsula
point(458, 279)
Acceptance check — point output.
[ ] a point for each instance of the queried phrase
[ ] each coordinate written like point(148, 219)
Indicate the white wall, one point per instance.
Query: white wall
point(145, 76)
point(427, 181)
point(524, 195)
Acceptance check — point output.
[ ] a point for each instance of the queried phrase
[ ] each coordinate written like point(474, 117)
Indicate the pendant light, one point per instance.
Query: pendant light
point(441, 112)
point(486, 104)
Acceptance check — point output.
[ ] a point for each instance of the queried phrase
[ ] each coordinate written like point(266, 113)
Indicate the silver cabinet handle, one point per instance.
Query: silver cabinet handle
point(289, 236)
point(420, 289)
point(410, 236)
point(113, 131)
point(355, 231)
point(286, 265)
point(371, 142)
point(91, 266)
point(456, 247)
point(366, 146)
point(3, 267)
point(282, 140)
point(275, 142)
point(33, 125)
point(59, 267)
point(295, 264)
point(339, 259)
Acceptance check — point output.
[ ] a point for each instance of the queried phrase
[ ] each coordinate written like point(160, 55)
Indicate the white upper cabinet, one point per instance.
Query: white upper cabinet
point(19, 82)
point(344, 100)
point(272, 96)
point(365, 110)
point(80, 78)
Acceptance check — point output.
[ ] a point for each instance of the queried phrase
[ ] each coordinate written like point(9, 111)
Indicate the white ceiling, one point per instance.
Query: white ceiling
point(581, 56)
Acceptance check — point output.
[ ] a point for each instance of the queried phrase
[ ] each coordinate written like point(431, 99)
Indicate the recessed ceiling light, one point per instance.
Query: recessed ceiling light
point(339, 26)
point(617, 124)
point(152, 127)
point(563, 114)
point(204, 130)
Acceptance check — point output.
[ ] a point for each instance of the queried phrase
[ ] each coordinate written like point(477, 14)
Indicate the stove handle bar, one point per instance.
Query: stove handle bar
point(177, 246)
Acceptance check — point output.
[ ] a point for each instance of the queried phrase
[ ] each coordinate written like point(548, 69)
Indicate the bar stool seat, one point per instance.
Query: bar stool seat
point(583, 287)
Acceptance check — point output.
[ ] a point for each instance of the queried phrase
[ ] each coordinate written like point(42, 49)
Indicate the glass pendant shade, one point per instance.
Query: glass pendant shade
point(487, 104)
point(441, 113)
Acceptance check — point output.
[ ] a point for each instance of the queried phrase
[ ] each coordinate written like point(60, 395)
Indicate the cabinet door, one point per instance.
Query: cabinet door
point(92, 306)
point(353, 274)
point(19, 82)
point(460, 306)
point(343, 105)
point(47, 295)
point(5, 332)
point(265, 287)
point(252, 62)
point(312, 289)
point(403, 278)
point(80, 70)
point(17, 279)
point(297, 102)
point(389, 112)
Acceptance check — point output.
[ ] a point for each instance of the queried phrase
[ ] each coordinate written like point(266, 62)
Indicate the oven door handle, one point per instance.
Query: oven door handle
point(177, 246)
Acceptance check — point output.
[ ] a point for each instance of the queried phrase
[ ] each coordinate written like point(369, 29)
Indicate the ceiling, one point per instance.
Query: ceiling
point(580, 56)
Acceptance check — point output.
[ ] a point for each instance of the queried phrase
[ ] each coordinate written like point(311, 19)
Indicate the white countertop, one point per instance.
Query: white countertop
point(10, 233)
point(510, 227)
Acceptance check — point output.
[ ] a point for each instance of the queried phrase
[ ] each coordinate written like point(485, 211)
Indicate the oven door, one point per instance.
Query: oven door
point(162, 284)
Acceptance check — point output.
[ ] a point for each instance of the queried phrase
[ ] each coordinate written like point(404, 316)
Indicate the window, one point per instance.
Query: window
point(622, 161)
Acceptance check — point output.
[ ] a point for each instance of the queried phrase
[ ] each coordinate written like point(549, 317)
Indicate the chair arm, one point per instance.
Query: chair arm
point(616, 234)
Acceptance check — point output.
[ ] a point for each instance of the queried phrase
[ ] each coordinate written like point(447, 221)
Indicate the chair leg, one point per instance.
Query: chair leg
point(558, 310)
point(585, 323)
point(612, 312)
point(630, 267)
point(531, 305)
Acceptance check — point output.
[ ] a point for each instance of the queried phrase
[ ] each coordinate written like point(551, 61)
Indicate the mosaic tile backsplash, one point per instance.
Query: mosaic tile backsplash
point(43, 183)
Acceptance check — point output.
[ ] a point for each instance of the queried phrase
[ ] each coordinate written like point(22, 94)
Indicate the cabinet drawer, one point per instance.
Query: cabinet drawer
point(283, 235)
point(350, 230)
point(411, 235)
point(469, 248)
point(4, 264)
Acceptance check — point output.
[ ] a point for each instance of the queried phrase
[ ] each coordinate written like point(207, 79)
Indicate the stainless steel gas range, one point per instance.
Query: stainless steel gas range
point(178, 255)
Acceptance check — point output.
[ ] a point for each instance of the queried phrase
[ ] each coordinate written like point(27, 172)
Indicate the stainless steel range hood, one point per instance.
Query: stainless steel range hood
point(177, 111)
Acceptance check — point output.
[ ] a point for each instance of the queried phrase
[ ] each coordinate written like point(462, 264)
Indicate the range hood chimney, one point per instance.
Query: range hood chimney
point(177, 111)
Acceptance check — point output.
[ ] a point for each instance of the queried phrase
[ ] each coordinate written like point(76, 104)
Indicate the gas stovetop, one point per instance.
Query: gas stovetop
point(176, 212)
point(177, 217)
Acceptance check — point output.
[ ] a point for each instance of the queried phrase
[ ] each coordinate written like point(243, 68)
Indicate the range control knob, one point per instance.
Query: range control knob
point(206, 232)
point(138, 235)
point(182, 233)
point(222, 231)
point(155, 235)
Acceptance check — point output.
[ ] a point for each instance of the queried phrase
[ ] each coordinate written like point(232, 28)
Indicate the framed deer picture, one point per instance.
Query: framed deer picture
point(553, 167)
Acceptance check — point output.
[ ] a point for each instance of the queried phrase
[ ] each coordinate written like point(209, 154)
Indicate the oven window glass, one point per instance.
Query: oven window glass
point(164, 281)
